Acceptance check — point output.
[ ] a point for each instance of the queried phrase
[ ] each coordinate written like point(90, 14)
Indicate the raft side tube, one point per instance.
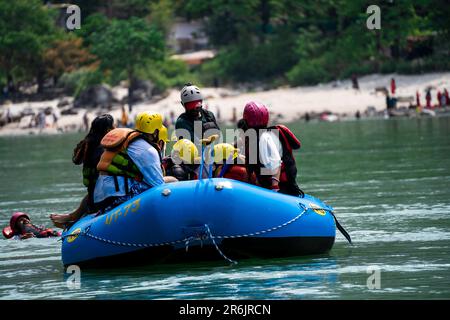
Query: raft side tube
point(245, 220)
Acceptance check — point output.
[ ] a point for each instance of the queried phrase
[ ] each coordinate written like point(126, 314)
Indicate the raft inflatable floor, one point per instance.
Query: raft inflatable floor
point(236, 249)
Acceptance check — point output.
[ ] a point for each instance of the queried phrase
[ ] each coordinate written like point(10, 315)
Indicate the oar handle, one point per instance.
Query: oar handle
point(206, 142)
point(209, 140)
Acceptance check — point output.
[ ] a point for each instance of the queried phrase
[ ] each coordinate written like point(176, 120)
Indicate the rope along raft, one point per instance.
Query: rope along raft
point(207, 235)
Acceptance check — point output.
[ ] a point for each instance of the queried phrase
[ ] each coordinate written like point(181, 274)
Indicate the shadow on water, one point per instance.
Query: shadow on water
point(250, 278)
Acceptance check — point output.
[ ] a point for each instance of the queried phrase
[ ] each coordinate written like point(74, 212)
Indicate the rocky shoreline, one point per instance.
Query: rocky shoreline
point(328, 102)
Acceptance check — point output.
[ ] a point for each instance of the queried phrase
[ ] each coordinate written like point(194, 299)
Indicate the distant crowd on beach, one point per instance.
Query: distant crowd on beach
point(442, 99)
point(42, 119)
point(442, 95)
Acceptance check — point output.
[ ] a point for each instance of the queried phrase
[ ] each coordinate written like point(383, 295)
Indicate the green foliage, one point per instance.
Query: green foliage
point(168, 73)
point(95, 23)
point(314, 41)
point(127, 44)
point(65, 55)
point(270, 41)
point(77, 81)
point(255, 38)
point(308, 73)
point(162, 15)
point(438, 13)
point(88, 7)
point(26, 30)
point(124, 9)
point(256, 63)
point(211, 70)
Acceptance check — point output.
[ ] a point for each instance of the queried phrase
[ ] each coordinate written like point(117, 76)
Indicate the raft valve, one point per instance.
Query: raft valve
point(166, 192)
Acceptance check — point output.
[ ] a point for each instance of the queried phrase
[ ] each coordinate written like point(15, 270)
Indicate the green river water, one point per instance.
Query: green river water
point(388, 180)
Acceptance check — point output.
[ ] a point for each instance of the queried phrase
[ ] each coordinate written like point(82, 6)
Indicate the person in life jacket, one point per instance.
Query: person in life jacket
point(87, 152)
point(183, 161)
point(274, 163)
point(230, 164)
point(192, 101)
point(20, 227)
point(131, 162)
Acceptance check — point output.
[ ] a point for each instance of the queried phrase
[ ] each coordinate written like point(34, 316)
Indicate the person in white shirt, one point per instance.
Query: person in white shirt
point(270, 150)
point(275, 166)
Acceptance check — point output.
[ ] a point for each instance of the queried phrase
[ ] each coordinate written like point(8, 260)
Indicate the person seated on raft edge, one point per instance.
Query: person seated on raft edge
point(87, 152)
point(274, 151)
point(183, 161)
point(131, 162)
point(192, 101)
point(230, 164)
point(20, 227)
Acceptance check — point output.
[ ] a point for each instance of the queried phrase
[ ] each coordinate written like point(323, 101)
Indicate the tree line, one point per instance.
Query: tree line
point(275, 42)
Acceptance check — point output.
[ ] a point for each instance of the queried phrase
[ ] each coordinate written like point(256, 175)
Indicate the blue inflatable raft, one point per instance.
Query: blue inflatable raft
point(201, 220)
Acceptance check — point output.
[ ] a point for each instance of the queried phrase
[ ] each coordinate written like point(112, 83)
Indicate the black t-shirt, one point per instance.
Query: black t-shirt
point(185, 121)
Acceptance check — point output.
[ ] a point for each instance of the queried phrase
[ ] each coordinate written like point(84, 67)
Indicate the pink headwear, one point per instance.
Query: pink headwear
point(256, 115)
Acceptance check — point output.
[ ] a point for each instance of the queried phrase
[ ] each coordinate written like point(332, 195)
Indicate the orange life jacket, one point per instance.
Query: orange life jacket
point(115, 160)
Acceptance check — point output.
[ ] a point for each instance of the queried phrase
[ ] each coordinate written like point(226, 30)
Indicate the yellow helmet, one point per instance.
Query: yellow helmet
point(148, 122)
point(223, 152)
point(163, 134)
point(186, 149)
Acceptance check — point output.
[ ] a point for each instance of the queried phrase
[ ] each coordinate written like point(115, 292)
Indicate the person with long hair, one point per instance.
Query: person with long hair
point(131, 161)
point(87, 153)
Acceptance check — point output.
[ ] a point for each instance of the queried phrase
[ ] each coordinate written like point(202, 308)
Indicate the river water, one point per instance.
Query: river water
point(389, 181)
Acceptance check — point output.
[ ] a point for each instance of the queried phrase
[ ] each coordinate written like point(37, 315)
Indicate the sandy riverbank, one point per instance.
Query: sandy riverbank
point(289, 103)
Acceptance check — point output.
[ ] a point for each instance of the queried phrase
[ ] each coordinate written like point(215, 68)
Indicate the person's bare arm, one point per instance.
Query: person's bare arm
point(276, 179)
point(170, 179)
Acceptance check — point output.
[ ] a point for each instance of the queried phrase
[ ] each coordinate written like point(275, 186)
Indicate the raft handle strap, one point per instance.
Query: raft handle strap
point(127, 190)
point(116, 183)
point(217, 247)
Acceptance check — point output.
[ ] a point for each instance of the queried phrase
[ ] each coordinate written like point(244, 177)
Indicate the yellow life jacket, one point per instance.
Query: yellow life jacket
point(115, 160)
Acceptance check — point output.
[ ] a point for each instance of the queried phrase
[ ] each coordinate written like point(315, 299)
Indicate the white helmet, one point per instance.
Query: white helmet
point(190, 93)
